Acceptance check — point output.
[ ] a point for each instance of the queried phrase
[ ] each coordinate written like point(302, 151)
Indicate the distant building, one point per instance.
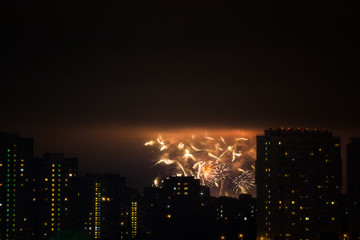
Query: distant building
point(298, 178)
point(184, 189)
point(247, 207)
point(16, 187)
point(183, 209)
point(353, 187)
point(105, 210)
point(56, 194)
point(151, 204)
point(235, 217)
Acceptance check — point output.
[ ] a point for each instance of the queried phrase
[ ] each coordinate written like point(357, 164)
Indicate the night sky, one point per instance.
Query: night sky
point(95, 79)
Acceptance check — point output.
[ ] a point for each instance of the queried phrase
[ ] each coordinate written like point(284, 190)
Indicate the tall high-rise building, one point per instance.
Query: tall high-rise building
point(298, 178)
point(353, 187)
point(104, 207)
point(16, 187)
point(56, 194)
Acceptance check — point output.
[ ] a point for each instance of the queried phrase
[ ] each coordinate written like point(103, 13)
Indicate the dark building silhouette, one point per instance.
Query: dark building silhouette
point(56, 194)
point(105, 209)
point(183, 209)
point(298, 178)
point(185, 189)
point(353, 187)
point(151, 205)
point(235, 217)
point(16, 187)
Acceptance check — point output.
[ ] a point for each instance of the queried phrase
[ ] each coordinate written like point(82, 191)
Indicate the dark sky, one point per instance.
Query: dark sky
point(72, 68)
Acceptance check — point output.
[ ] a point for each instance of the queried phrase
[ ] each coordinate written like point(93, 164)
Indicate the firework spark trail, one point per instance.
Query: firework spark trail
point(206, 172)
point(244, 182)
point(212, 160)
point(150, 143)
point(168, 162)
point(222, 171)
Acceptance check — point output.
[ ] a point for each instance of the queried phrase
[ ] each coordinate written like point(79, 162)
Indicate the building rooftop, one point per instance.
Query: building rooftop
point(297, 132)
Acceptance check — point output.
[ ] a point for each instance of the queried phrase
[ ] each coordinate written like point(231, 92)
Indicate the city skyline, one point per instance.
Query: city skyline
point(298, 175)
point(112, 96)
point(146, 169)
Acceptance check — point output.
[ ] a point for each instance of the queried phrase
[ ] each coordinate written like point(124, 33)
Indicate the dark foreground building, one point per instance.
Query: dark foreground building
point(298, 178)
point(235, 217)
point(184, 210)
point(181, 210)
point(353, 188)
